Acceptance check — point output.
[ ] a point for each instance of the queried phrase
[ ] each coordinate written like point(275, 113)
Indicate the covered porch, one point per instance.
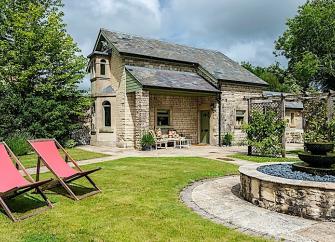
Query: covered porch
point(175, 104)
point(181, 115)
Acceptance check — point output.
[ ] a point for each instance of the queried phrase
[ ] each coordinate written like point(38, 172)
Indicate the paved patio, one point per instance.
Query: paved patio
point(194, 150)
point(210, 152)
point(205, 151)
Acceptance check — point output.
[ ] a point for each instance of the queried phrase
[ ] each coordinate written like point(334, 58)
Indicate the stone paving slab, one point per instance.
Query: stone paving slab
point(323, 232)
point(219, 201)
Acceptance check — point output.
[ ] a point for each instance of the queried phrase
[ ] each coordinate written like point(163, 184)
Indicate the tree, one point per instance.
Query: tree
point(309, 44)
point(40, 66)
point(279, 80)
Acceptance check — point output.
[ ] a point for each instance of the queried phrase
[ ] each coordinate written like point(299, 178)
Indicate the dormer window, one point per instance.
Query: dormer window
point(103, 67)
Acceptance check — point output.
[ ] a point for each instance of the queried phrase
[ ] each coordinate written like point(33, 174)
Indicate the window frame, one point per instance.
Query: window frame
point(168, 115)
point(106, 104)
point(292, 120)
point(239, 124)
point(103, 64)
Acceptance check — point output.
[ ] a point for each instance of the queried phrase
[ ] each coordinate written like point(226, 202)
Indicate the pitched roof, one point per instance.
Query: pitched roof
point(216, 63)
point(288, 104)
point(294, 105)
point(157, 78)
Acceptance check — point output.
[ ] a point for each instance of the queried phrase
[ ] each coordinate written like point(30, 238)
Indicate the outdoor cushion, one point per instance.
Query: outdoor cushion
point(49, 153)
point(10, 177)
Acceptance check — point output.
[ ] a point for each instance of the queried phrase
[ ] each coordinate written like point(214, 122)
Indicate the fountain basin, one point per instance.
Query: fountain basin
point(317, 171)
point(308, 199)
point(319, 148)
point(317, 160)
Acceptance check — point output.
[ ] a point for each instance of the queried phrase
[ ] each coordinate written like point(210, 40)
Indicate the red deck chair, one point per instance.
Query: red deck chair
point(48, 153)
point(12, 183)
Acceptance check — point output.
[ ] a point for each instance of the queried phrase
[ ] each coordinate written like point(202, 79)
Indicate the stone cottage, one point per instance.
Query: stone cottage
point(141, 84)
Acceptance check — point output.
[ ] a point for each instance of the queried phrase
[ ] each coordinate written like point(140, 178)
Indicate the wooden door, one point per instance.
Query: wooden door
point(204, 127)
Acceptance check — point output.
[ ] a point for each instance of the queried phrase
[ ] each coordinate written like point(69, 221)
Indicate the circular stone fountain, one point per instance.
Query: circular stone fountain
point(305, 189)
point(318, 161)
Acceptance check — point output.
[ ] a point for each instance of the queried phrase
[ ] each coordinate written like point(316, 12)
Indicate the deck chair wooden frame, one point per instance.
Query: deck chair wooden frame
point(23, 189)
point(158, 141)
point(65, 181)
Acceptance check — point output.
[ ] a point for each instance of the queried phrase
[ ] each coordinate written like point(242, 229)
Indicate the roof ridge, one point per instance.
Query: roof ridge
point(164, 41)
point(157, 68)
point(214, 61)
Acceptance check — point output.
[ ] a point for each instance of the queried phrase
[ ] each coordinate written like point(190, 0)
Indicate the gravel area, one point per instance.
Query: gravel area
point(285, 171)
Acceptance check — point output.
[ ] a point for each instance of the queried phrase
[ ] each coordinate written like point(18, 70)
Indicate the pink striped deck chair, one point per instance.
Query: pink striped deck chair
point(48, 152)
point(13, 184)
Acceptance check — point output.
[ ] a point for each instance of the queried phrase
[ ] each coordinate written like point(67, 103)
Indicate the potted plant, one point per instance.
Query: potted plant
point(147, 141)
point(227, 139)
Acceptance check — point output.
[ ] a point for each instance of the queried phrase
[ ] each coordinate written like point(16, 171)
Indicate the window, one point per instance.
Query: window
point(107, 113)
point(240, 114)
point(292, 119)
point(92, 68)
point(103, 67)
point(163, 117)
point(92, 118)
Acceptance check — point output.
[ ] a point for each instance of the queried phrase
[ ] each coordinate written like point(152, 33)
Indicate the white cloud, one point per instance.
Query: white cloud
point(86, 17)
point(243, 30)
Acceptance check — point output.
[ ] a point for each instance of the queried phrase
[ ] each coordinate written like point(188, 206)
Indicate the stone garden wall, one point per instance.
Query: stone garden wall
point(312, 200)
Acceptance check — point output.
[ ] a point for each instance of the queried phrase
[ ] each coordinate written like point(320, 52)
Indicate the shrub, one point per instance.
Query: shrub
point(18, 143)
point(317, 127)
point(265, 132)
point(227, 139)
point(147, 140)
point(70, 143)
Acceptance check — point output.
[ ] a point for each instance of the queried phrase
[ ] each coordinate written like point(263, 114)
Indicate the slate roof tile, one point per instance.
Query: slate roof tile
point(216, 63)
point(157, 78)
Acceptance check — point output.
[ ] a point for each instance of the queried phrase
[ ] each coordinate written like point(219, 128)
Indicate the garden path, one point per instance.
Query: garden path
point(206, 151)
point(219, 201)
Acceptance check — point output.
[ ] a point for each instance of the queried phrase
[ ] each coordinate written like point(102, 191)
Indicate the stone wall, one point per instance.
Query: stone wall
point(297, 121)
point(101, 135)
point(124, 106)
point(232, 99)
point(142, 115)
point(306, 199)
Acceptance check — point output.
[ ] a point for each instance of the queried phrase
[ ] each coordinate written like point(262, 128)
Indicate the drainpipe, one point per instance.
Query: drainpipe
point(219, 100)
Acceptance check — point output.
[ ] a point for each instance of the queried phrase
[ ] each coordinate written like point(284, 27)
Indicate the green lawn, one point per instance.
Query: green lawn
point(76, 153)
point(140, 202)
point(262, 159)
point(295, 152)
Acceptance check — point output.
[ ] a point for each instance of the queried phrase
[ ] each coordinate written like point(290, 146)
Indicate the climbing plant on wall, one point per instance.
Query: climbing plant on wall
point(264, 132)
point(316, 124)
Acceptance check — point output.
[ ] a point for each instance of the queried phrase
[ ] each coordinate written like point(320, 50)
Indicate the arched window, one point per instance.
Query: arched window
point(107, 113)
point(103, 67)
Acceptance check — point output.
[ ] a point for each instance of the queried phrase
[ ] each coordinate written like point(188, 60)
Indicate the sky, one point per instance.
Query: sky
point(244, 30)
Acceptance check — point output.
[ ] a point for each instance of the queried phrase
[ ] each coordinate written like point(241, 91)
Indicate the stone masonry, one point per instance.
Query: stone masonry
point(185, 114)
point(233, 97)
point(142, 115)
point(312, 200)
point(128, 123)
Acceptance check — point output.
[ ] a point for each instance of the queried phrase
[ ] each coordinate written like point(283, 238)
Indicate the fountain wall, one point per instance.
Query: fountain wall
point(308, 199)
